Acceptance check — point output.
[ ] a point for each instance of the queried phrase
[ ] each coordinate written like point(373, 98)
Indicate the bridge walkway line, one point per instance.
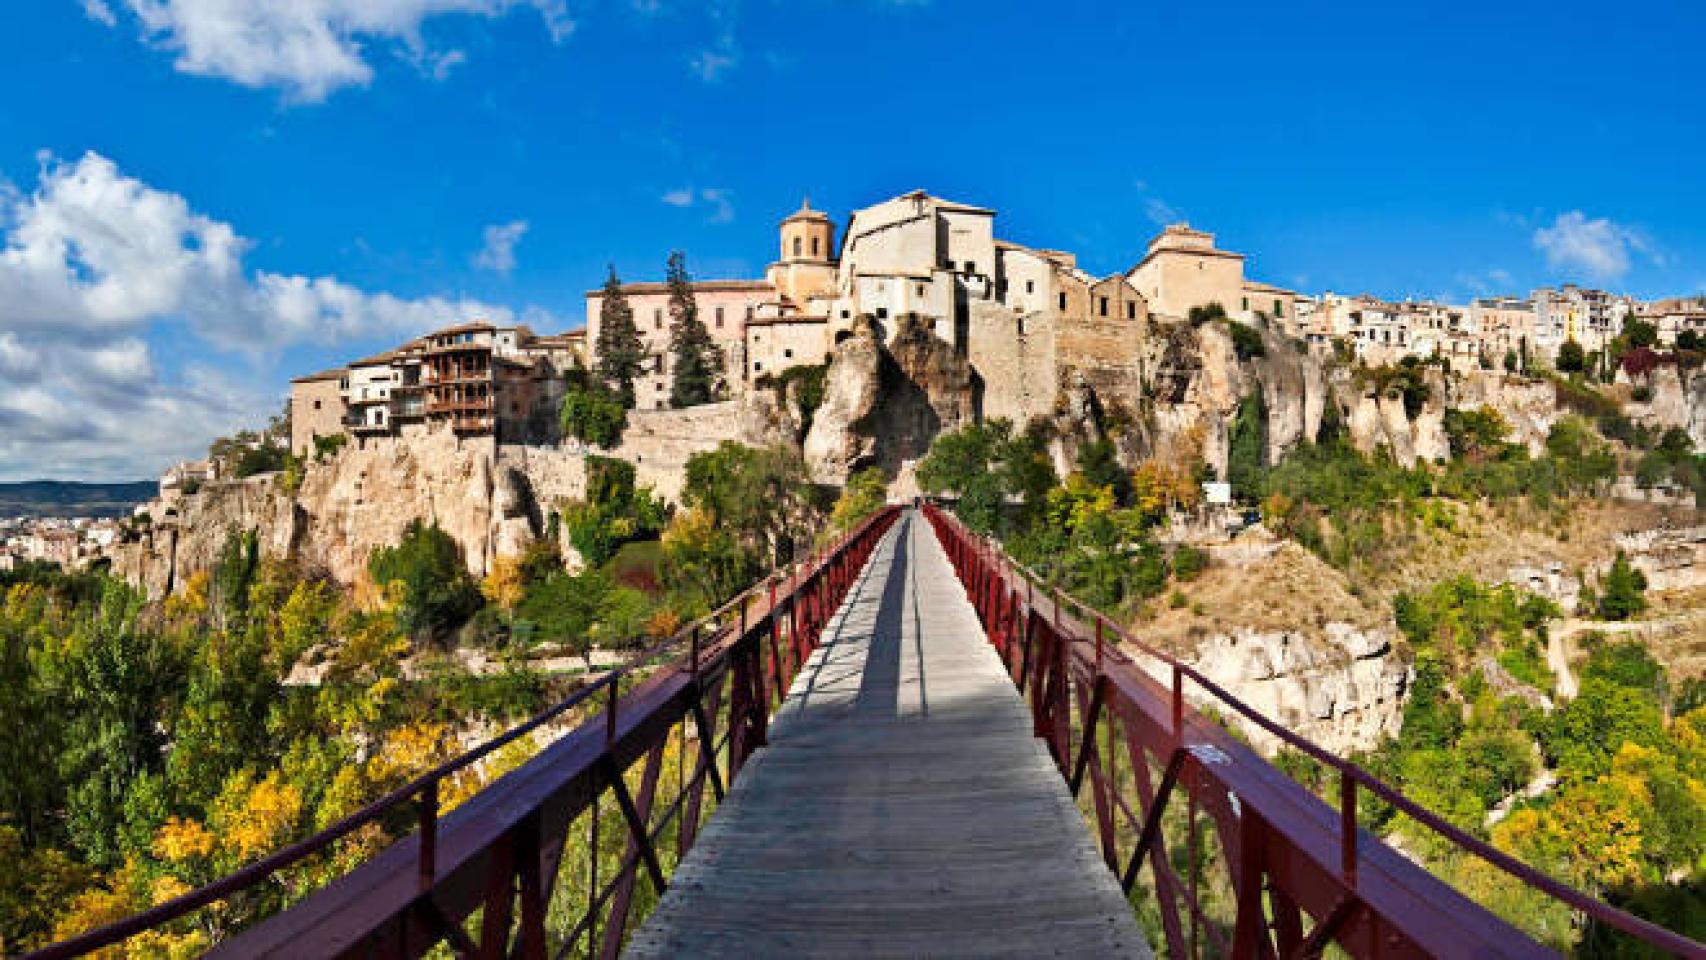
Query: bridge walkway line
point(903, 807)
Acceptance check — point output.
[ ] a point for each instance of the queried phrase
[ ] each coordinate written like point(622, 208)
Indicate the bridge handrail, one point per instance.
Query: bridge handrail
point(694, 635)
point(1352, 775)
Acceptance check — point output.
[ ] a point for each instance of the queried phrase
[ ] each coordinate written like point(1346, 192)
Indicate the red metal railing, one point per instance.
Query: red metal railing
point(1105, 717)
point(502, 853)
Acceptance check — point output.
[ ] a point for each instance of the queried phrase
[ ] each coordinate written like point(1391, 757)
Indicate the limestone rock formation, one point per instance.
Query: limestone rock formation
point(882, 405)
point(492, 503)
point(1346, 694)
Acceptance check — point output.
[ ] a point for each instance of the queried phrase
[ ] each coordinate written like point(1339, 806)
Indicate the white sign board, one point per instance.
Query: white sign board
point(1217, 493)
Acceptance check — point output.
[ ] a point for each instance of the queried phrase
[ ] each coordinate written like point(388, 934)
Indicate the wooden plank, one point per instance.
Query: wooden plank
point(903, 806)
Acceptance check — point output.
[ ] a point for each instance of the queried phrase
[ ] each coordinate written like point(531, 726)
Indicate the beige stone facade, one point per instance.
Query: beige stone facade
point(1184, 269)
point(316, 409)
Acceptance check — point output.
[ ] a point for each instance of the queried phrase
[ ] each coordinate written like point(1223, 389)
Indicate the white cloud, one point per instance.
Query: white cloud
point(98, 11)
point(1159, 212)
point(719, 201)
point(498, 254)
point(1598, 247)
point(308, 48)
point(92, 263)
point(710, 65)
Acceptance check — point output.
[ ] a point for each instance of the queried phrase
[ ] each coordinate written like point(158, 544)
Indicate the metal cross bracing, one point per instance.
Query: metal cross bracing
point(556, 858)
point(1294, 874)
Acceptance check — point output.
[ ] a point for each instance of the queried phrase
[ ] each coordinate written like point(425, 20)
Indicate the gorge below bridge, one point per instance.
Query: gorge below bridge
point(904, 746)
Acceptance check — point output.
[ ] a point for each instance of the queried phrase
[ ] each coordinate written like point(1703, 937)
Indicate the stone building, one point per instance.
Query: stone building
point(316, 408)
point(477, 379)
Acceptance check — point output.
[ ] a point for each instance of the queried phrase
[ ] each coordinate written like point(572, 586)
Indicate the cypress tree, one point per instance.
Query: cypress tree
point(621, 354)
point(697, 360)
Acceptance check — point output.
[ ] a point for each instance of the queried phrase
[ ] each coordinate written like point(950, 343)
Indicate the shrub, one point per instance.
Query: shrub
point(1623, 591)
point(438, 593)
point(1189, 562)
point(592, 412)
point(1246, 341)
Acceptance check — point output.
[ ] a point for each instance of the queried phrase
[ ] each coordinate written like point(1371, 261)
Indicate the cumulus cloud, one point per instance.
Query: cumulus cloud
point(307, 48)
point(718, 202)
point(498, 255)
point(1599, 247)
point(92, 262)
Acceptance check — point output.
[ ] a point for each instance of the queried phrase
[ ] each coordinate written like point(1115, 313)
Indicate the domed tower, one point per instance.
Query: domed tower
point(806, 267)
point(808, 236)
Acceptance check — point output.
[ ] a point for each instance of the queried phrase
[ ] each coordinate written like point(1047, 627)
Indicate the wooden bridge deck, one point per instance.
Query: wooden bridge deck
point(902, 808)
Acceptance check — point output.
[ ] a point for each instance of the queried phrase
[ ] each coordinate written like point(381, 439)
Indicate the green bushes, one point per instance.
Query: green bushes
point(614, 511)
point(592, 412)
point(437, 592)
point(1247, 341)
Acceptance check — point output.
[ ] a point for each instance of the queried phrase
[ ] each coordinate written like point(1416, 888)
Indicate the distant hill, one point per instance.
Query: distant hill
point(60, 498)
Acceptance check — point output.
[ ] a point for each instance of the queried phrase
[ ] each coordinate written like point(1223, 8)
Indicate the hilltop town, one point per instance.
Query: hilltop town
point(1026, 320)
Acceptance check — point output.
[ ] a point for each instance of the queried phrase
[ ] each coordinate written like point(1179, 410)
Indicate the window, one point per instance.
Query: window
point(1030, 286)
point(1063, 301)
point(789, 353)
point(657, 363)
point(971, 267)
point(1246, 303)
point(921, 289)
point(316, 404)
point(796, 246)
point(950, 264)
point(1279, 309)
point(756, 366)
point(749, 311)
point(1131, 309)
point(719, 318)
point(846, 313)
point(657, 319)
point(882, 313)
point(814, 246)
point(1104, 306)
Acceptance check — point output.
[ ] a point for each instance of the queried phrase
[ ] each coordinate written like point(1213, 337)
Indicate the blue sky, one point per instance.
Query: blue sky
point(202, 198)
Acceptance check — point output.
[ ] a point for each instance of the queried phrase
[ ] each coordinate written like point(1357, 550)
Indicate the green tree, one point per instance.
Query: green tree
point(1510, 361)
point(1571, 357)
point(616, 511)
point(1100, 464)
point(438, 593)
point(1582, 736)
point(697, 360)
point(761, 494)
point(1624, 590)
point(593, 413)
point(620, 352)
point(1247, 450)
point(565, 608)
point(866, 492)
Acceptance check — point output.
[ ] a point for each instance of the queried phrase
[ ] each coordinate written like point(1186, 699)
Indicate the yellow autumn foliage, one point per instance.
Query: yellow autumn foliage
point(178, 840)
point(504, 585)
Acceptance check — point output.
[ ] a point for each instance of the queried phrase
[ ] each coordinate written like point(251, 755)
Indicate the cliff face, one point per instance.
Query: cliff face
point(883, 405)
point(1345, 695)
point(360, 499)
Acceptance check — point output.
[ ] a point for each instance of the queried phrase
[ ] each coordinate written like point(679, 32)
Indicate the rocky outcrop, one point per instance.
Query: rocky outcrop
point(1345, 694)
point(1528, 406)
point(1378, 417)
point(883, 406)
point(493, 501)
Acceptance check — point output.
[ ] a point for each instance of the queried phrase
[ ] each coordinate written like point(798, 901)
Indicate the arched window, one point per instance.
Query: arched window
point(814, 246)
point(796, 246)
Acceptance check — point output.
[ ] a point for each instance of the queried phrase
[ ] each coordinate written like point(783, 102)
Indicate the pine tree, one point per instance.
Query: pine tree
point(621, 354)
point(697, 361)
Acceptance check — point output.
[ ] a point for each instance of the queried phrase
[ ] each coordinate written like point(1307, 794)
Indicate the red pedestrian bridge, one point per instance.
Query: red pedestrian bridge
point(905, 746)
